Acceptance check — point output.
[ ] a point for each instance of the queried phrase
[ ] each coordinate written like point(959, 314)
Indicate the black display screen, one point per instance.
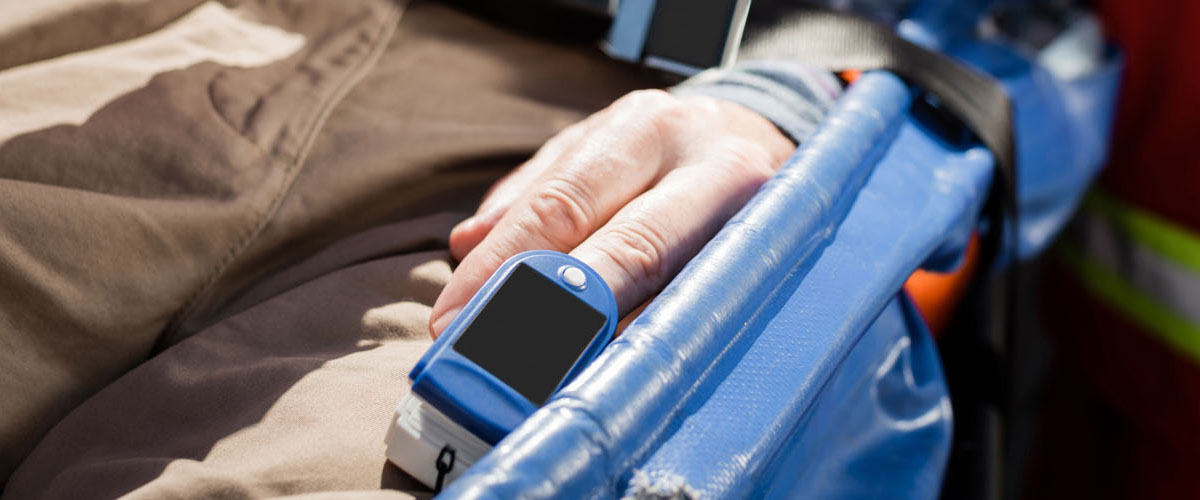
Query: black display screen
point(530, 333)
point(692, 32)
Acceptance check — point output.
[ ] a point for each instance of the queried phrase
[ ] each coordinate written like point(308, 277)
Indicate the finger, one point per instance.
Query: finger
point(467, 234)
point(650, 240)
point(618, 160)
point(628, 318)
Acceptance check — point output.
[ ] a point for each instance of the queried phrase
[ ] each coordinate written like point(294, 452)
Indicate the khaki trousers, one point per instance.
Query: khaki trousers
point(220, 234)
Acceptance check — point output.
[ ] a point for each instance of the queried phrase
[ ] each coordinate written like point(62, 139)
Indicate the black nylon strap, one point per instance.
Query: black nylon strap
point(841, 41)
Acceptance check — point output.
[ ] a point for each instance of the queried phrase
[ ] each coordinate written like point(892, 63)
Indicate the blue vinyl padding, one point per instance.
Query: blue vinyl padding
point(880, 427)
point(807, 396)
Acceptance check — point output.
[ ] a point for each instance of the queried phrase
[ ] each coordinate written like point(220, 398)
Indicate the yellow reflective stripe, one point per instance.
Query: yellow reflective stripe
point(1171, 328)
point(1164, 237)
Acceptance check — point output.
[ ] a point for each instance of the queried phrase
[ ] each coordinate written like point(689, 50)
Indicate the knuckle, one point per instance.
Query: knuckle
point(672, 112)
point(568, 134)
point(640, 250)
point(747, 162)
point(646, 97)
point(656, 105)
point(706, 105)
point(562, 211)
point(650, 111)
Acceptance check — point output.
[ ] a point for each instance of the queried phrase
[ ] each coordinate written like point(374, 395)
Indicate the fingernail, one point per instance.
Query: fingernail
point(440, 323)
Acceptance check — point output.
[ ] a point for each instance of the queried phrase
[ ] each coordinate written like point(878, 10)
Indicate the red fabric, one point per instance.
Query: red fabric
point(1122, 418)
point(1156, 145)
point(1122, 413)
point(1155, 165)
point(1153, 386)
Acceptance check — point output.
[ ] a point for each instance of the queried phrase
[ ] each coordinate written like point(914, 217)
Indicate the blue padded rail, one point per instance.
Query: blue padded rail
point(641, 406)
point(843, 415)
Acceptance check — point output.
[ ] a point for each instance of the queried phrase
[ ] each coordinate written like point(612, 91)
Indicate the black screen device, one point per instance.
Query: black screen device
point(532, 327)
point(693, 33)
point(679, 36)
point(530, 333)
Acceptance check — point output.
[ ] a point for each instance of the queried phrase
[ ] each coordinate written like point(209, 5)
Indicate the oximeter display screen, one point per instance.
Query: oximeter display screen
point(530, 333)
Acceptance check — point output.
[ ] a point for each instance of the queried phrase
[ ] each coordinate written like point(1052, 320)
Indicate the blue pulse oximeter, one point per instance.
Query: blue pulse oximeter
point(533, 326)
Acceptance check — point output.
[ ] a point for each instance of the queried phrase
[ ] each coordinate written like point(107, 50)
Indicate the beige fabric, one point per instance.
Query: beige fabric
point(292, 395)
point(34, 31)
point(109, 228)
point(68, 89)
point(215, 285)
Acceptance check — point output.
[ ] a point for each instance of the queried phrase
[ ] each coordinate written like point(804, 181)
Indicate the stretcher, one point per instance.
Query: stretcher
point(784, 361)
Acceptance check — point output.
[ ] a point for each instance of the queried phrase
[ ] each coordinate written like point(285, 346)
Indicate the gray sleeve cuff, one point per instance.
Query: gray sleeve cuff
point(793, 95)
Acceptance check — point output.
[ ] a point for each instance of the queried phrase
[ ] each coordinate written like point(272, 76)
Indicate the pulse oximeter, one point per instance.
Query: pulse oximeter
point(533, 326)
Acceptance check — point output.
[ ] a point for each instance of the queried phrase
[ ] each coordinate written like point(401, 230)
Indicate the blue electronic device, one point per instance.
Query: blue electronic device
point(531, 328)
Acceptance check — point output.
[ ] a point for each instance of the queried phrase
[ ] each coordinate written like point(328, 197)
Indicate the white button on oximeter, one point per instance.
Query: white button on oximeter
point(574, 277)
point(531, 328)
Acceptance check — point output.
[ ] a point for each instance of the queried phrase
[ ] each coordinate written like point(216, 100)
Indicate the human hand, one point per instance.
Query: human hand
point(634, 191)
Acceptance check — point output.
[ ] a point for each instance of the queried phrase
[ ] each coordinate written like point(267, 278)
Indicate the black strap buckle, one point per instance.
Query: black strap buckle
point(444, 464)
